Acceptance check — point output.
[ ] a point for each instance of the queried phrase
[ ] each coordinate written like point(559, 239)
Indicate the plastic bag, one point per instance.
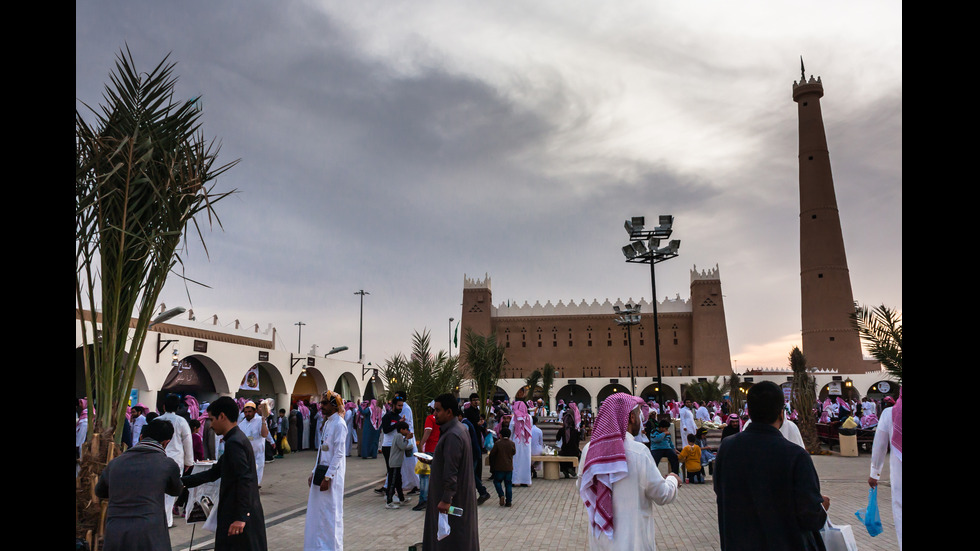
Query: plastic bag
point(869, 515)
point(838, 537)
point(443, 530)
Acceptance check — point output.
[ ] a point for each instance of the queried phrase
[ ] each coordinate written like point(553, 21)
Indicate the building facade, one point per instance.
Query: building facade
point(582, 340)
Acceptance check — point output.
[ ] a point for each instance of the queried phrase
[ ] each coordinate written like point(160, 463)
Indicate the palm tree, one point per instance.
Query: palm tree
point(881, 330)
point(547, 381)
point(804, 400)
point(735, 392)
point(485, 361)
point(143, 173)
point(422, 377)
point(706, 391)
point(532, 384)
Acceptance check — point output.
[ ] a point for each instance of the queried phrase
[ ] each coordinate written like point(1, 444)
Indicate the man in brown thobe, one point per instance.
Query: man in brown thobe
point(451, 483)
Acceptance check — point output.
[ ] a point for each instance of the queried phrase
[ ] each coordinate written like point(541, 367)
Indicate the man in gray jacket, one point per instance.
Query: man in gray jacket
point(135, 484)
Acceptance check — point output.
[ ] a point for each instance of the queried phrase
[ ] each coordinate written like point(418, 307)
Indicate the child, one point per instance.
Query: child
point(502, 466)
point(691, 456)
point(661, 445)
point(399, 444)
point(707, 455)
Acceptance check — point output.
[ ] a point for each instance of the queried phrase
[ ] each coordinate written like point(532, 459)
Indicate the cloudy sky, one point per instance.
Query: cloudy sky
point(395, 146)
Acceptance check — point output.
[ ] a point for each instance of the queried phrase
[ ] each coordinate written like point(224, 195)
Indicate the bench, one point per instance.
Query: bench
point(829, 434)
point(551, 463)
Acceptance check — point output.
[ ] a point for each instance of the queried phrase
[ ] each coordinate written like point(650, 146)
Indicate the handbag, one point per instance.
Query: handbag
point(869, 516)
point(320, 471)
point(838, 537)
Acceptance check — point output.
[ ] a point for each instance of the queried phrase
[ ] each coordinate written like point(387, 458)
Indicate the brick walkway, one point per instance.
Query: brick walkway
point(547, 515)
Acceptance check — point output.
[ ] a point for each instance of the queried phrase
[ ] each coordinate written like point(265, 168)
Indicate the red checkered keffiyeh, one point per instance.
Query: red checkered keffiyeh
point(522, 423)
point(605, 462)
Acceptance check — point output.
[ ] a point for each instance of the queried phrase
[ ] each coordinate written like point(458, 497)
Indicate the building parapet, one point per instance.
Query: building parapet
point(583, 308)
point(709, 274)
point(474, 283)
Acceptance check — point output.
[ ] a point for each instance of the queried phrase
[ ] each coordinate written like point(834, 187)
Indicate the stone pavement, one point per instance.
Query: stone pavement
point(547, 515)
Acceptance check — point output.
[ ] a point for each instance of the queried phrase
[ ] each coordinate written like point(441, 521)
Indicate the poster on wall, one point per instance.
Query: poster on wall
point(251, 379)
point(134, 396)
point(833, 388)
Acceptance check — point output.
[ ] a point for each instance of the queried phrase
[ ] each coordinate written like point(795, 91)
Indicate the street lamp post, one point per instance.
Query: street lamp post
point(451, 337)
point(360, 338)
point(299, 339)
point(629, 317)
point(644, 248)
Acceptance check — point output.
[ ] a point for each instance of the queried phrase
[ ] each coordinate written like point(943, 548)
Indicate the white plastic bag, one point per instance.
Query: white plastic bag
point(838, 537)
point(443, 526)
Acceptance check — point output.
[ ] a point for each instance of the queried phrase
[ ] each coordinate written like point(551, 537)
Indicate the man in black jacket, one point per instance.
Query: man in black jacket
point(767, 489)
point(241, 523)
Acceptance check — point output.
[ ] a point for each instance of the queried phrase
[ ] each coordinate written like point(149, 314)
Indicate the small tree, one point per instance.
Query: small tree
point(735, 392)
point(803, 400)
point(881, 330)
point(706, 391)
point(421, 378)
point(531, 382)
point(547, 381)
point(485, 361)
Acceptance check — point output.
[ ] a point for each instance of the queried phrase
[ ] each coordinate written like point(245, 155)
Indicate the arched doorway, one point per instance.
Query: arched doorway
point(883, 388)
point(194, 375)
point(261, 381)
point(574, 393)
point(308, 386)
point(609, 390)
point(347, 387)
point(650, 393)
point(500, 394)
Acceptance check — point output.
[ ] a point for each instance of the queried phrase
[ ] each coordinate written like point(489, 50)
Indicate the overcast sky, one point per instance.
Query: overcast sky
point(395, 146)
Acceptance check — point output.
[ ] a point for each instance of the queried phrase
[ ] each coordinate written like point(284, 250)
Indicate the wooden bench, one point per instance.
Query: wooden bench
point(551, 464)
point(829, 434)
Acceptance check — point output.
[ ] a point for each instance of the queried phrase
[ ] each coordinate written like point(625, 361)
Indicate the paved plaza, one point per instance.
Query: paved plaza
point(547, 515)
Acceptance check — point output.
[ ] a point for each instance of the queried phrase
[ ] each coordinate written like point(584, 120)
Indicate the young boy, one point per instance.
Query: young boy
point(399, 444)
point(662, 445)
point(691, 456)
point(502, 465)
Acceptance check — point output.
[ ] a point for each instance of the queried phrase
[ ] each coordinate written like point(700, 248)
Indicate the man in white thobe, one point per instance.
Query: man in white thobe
point(138, 423)
point(537, 448)
point(687, 422)
point(788, 429)
point(325, 506)
point(256, 430)
point(520, 429)
point(410, 480)
point(349, 416)
point(703, 414)
point(180, 448)
point(885, 439)
point(619, 481)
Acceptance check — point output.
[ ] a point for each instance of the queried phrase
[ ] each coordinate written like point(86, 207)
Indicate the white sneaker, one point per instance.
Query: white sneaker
point(392, 505)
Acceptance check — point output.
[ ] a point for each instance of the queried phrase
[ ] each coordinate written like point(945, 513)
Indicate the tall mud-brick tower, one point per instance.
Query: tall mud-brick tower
point(829, 340)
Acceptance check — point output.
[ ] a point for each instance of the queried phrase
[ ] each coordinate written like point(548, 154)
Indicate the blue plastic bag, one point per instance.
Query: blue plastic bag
point(869, 515)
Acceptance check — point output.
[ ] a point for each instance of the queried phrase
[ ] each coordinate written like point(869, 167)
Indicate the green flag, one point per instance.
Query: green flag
point(456, 335)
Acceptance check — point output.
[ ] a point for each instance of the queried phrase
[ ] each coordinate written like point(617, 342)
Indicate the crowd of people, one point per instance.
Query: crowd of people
point(761, 459)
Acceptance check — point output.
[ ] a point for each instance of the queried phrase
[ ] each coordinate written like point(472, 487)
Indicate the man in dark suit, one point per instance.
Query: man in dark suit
point(767, 489)
point(241, 523)
point(135, 483)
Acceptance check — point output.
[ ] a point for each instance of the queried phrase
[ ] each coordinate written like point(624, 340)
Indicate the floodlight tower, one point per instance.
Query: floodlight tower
point(650, 252)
